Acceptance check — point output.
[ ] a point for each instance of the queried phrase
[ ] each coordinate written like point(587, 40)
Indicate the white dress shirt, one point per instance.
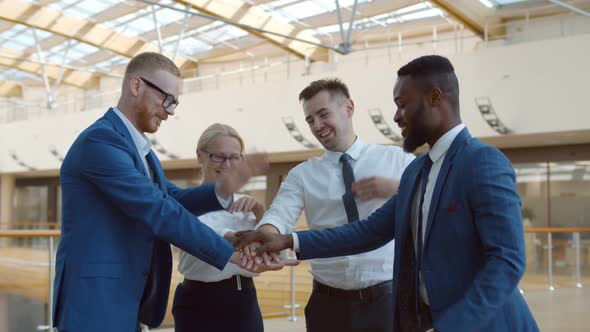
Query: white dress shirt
point(144, 145)
point(437, 154)
point(316, 187)
point(195, 269)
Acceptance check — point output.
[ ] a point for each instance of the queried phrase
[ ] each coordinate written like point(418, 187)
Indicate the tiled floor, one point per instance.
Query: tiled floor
point(563, 310)
point(23, 274)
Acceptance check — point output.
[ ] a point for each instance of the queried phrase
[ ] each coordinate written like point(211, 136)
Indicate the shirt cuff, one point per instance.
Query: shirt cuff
point(225, 231)
point(225, 202)
point(280, 227)
point(295, 242)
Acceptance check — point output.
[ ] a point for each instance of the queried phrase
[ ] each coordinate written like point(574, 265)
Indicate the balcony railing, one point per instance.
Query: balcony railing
point(280, 292)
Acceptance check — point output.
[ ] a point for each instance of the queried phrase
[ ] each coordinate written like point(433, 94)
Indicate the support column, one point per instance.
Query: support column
point(7, 185)
point(52, 202)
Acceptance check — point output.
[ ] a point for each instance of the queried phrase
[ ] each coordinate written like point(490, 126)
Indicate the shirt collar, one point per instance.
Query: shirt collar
point(142, 143)
point(443, 144)
point(353, 151)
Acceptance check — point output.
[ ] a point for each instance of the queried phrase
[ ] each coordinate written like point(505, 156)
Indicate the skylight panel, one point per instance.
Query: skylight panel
point(15, 75)
point(60, 5)
point(139, 26)
point(209, 27)
point(76, 52)
point(330, 5)
point(412, 8)
point(508, 2)
point(166, 16)
point(15, 45)
point(15, 30)
point(328, 29)
point(415, 12)
point(428, 13)
point(112, 62)
point(188, 45)
point(86, 48)
point(192, 45)
point(77, 12)
point(302, 10)
point(21, 38)
point(230, 32)
point(280, 3)
point(123, 20)
point(96, 6)
point(42, 34)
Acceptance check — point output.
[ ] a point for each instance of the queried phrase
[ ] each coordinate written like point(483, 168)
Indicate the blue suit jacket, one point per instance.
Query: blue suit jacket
point(474, 252)
point(114, 262)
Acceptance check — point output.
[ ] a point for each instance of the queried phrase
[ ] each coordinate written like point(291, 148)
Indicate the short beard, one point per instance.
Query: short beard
point(418, 135)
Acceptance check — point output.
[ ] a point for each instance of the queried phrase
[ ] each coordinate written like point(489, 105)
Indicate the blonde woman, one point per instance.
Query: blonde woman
point(209, 299)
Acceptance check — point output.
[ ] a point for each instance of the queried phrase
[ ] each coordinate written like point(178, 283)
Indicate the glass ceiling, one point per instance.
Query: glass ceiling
point(136, 19)
point(508, 2)
point(419, 11)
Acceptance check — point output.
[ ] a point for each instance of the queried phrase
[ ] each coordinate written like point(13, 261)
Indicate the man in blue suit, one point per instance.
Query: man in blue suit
point(456, 219)
point(120, 212)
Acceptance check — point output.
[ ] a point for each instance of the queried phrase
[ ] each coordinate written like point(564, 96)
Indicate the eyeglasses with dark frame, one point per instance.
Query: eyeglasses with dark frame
point(220, 159)
point(169, 101)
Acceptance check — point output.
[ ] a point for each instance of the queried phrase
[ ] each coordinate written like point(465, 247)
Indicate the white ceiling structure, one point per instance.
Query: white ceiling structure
point(76, 42)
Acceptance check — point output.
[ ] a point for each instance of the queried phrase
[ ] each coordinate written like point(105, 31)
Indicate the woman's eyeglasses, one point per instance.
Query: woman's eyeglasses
point(220, 159)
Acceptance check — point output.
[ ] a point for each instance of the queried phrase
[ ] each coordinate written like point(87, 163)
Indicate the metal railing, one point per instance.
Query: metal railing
point(575, 231)
point(29, 225)
point(50, 235)
point(292, 305)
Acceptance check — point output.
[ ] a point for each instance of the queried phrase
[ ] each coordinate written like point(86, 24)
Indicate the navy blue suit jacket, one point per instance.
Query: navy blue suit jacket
point(474, 253)
point(114, 260)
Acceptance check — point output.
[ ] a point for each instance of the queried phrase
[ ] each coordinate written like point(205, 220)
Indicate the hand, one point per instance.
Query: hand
point(250, 249)
point(248, 255)
point(274, 264)
point(248, 204)
point(231, 182)
point(375, 187)
point(270, 242)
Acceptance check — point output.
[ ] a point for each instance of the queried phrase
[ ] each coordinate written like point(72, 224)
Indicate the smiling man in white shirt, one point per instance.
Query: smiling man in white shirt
point(349, 292)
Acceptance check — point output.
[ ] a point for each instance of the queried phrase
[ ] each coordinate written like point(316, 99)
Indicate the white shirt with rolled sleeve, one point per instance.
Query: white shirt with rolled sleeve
point(316, 187)
point(220, 221)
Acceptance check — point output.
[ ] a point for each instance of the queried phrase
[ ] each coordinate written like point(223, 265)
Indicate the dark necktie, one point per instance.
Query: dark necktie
point(408, 291)
point(424, 181)
point(352, 213)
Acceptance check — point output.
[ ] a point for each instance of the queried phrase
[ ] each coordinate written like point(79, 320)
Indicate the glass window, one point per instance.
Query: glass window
point(570, 194)
point(531, 183)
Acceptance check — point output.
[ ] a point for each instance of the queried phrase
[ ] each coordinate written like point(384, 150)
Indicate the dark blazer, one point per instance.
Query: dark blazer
point(473, 256)
point(114, 260)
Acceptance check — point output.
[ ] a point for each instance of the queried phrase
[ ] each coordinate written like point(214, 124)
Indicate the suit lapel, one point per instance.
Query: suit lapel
point(442, 177)
point(123, 131)
point(156, 169)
